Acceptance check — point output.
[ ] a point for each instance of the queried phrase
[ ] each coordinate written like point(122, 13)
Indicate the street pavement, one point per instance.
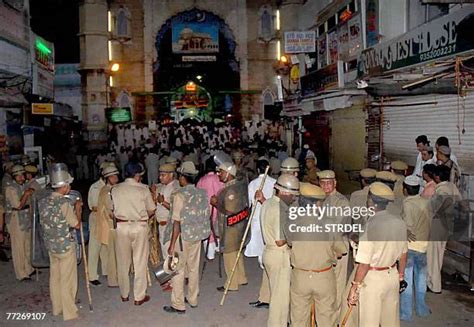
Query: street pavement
point(454, 307)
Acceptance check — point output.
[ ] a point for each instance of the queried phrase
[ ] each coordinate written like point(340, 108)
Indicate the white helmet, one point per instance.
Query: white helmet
point(288, 183)
point(228, 167)
point(60, 176)
point(110, 171)
point(290, 165)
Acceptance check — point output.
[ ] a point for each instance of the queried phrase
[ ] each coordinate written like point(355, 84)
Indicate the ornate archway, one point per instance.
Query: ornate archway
point(196, 45)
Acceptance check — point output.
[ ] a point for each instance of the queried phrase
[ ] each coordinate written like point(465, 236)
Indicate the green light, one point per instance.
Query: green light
point(42, 47)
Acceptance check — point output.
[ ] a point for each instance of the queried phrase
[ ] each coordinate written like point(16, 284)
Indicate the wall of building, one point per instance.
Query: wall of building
point(67, 87)
point(348, 144)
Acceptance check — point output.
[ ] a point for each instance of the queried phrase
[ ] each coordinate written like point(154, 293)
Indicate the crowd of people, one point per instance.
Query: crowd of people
point(202, 185)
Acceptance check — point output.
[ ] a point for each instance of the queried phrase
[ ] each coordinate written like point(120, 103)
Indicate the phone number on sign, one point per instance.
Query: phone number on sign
point(25, 316)
point(438, 52)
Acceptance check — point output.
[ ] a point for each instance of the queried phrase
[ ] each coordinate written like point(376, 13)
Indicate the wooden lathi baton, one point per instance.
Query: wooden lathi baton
point(313, 318)
point(86, 269)
point(346, 316)
point(229, 280)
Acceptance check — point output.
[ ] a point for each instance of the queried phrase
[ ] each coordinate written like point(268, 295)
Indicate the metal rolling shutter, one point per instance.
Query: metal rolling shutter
point(433, 115)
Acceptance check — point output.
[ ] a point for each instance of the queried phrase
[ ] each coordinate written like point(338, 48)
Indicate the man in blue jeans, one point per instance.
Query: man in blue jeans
point(416, 215)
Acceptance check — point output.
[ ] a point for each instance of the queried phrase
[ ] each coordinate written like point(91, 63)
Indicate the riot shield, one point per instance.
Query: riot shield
point(233, 214)
point(39, 252)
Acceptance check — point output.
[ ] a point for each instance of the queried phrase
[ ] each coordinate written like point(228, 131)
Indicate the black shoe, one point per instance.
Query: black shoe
point(192, 306)
point(170, 309)
point(26, 279)
point(244, 284)
point(34, 273)
point(258, 304)
point(95, 282)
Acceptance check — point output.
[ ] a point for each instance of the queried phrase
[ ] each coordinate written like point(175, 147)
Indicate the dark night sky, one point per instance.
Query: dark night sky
point(58, 21)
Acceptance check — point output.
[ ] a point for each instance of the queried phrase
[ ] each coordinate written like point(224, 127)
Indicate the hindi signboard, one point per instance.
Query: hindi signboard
point(300, 42)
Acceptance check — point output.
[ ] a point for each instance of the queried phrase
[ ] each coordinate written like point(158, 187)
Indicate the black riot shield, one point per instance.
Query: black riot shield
point(233, 213)
point(39, 252)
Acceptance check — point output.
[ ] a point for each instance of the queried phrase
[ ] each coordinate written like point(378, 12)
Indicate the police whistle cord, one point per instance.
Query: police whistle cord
point(86, 269)
point(229, 280)
point(346, 316)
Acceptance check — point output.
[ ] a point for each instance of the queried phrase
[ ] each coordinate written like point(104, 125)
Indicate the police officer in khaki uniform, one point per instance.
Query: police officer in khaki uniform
point(168, 184)
point(442, 207)
point(133, 205)
point(313, 279)
point(399, 168)
point(96, 248)
point(59, 219)
point(190, 223)
point(311, 175)
point(334, 199)
point(359, 198)
point(231, 200)
point(388, 178)
point(377, 281)
point(30, 174)
point(18, 221)
point(105, 224)
point(276, 256)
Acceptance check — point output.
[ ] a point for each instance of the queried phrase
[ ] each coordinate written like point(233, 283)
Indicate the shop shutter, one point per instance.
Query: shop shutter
point(433, 115)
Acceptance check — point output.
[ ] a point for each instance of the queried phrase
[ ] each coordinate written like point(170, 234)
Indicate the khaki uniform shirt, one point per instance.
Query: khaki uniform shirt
point(359, 199)
point(132, 200)
point(384, 241)
point(93, 196)
point(324, 247)
point(272, 226)
point(417, 216)
point(161, 212)
point(104, 215)
point(311, 176)
point(337, 200)
point(442, 209)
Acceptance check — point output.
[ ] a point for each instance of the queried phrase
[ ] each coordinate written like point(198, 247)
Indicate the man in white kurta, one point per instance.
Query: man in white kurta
point(256, 246)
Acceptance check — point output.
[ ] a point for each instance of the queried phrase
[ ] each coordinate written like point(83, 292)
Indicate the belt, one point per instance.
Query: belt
point(382, 268)
point(129, 221)
point(162, 223)
point(316, 270)
point(24, 208)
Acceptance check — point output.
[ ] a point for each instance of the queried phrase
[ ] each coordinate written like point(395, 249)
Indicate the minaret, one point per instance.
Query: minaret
point(93, 37)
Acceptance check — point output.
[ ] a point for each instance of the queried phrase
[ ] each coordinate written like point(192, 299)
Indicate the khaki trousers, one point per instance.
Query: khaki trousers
point(379, 299)
point(112, 279)
point(161, 235)
point(277, 266)
point(312, 287)
point(191, 255)
point(96, 250)
point(264, 293)
point(240, 277)
point(21, 249)
point(132, 243)
point(63, 283)
point(434, 257)
point(353, 320)
point(341, 281)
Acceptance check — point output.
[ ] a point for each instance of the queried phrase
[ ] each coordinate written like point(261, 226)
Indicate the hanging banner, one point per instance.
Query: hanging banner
point(191, 37)
point(355, 36)
point(300, 42)
point(322, 52)
point(332, 46)
point(443, 37)
point(372, 22)
point(343, 41)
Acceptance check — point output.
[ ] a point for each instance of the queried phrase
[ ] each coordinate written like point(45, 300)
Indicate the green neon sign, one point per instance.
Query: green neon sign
point(42, 47)
point(118, 115)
